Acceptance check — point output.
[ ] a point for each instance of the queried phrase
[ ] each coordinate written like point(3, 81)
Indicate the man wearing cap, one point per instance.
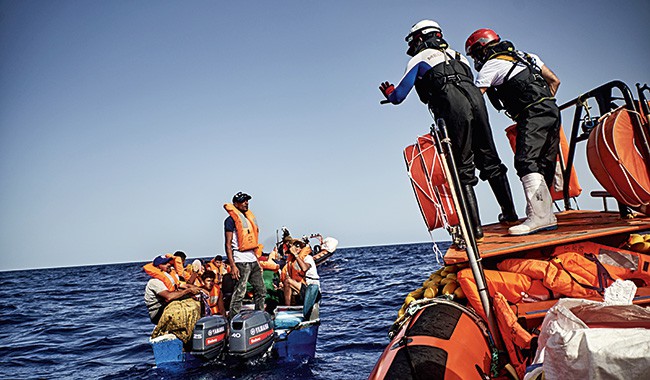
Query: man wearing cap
point(299, 273)
point(163, 294)
point(242, 247)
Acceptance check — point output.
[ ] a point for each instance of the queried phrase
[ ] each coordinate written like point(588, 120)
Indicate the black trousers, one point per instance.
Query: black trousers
point(538, 139)
point(463, 107)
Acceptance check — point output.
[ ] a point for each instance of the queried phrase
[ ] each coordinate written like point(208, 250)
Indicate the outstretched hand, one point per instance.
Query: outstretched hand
point(386, 88)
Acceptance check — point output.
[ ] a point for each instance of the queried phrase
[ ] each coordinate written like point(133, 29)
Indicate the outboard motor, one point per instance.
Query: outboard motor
point(251, 334)
point(209, 337)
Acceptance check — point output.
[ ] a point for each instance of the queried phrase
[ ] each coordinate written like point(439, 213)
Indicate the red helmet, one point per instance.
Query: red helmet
point(480, 39)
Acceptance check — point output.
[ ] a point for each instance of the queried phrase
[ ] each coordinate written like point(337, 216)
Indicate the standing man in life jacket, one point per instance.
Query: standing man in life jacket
point(521, 84)
point(444, 82)
point(242, 248)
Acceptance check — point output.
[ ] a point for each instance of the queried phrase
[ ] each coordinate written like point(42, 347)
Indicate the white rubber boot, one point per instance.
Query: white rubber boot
point(539, 207)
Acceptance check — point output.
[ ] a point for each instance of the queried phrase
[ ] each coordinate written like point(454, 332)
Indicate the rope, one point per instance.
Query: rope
point(431, 192)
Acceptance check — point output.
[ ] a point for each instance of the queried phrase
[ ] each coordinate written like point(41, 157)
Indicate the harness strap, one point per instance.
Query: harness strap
point(532, 104)
point(603, 274)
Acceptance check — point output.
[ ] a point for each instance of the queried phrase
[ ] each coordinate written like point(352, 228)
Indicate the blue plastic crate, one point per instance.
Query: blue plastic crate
point(167, 349)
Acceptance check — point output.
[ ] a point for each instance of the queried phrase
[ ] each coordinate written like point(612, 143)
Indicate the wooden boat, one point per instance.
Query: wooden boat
point(449, 330)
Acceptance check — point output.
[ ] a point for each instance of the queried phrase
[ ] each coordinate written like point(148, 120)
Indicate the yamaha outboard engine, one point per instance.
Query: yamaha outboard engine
point(251, 334)
point(209, 337)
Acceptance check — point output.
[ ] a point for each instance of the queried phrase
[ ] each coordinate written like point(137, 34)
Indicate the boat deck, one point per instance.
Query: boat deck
point(573, 226)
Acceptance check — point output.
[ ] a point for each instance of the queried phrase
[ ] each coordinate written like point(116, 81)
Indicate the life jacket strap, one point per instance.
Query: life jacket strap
point(602, 274)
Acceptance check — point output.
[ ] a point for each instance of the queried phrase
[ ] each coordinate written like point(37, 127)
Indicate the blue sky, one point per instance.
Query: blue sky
point(125, 125)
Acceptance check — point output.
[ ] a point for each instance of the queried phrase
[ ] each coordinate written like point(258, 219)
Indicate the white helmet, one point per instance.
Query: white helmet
point(422, 27)
point(419, 32)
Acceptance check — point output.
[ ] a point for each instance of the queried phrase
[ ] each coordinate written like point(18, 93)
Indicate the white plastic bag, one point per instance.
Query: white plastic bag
point(569, 349)
point(329, 244)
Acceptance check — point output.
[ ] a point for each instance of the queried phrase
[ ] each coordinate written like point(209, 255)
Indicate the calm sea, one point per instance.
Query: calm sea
point(91, 323)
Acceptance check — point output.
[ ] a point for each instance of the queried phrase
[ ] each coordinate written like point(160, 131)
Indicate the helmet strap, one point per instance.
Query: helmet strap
point(434, 42)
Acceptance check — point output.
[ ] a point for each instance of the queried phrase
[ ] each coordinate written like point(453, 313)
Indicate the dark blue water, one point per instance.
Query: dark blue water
point(91, 323)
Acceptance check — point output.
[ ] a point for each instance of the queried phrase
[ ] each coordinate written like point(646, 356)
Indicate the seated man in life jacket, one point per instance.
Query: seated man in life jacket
point(194, 272)
point(215, 296)
point(299, 276)
point(178, 264)
point(171, 306)
point(218, 266)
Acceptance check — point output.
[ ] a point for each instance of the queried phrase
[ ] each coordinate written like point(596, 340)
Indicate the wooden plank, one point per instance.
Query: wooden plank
point(573, 226)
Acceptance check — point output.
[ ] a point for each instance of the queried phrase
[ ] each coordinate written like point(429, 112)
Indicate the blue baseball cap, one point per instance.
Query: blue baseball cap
point(160, 260)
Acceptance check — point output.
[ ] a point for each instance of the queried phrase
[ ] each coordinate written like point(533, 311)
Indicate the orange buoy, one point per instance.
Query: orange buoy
point(442, 340)
point(616, 160)
point(424, 166)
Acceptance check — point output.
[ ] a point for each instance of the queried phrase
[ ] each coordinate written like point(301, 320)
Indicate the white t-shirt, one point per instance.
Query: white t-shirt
point(151, 299)
point(241, 256)
point(311, 276)
point(494, 72)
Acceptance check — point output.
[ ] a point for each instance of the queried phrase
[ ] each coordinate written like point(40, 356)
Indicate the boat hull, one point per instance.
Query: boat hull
point(442, 340)
point(295, 338)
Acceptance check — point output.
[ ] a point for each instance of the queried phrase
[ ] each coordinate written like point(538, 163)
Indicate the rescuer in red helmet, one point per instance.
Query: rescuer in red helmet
point(443, 80)
point(524, 87)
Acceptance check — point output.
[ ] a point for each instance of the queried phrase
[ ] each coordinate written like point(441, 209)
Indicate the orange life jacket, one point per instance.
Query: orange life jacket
point(218, 271)
point(292, 270)
point(515, 337)
point(213, 300)
point(304, 252)
point(511, 285)
point(187, 273)
point(246, 228)
point(177, 264)
point(268, 264)
point(566, 274)
point(168, 279)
